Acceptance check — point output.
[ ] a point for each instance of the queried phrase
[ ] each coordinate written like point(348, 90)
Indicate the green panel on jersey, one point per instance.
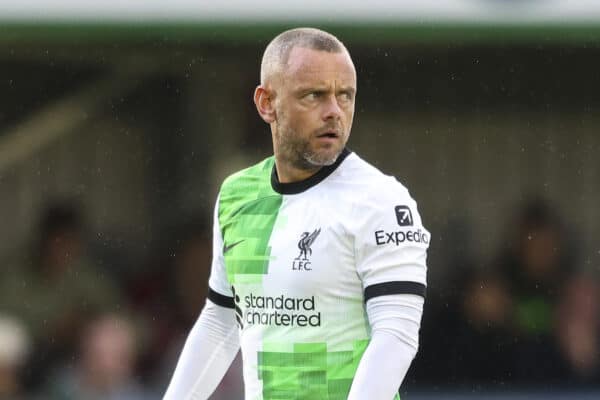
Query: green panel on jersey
point(309, 371)
point(248, 208)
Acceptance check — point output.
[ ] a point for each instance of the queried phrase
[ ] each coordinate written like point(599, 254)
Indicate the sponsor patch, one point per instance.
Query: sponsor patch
point(404, 216)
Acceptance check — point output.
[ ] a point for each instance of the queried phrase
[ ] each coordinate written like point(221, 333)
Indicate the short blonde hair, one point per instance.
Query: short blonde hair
point(278, 50)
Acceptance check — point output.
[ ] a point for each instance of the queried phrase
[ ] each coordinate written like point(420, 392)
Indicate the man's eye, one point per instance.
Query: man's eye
point(345, 96)
point(313, 95)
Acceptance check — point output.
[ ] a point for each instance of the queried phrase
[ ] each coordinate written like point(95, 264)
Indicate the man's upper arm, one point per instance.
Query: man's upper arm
point(219, 289)
point(391, 245)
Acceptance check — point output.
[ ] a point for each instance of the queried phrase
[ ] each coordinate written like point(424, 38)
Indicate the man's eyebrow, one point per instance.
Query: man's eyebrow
point(311, 88)
point(349, 89)
point(323, 88)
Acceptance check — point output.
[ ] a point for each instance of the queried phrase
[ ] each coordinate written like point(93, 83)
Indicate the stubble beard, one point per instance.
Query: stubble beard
point(298, 153)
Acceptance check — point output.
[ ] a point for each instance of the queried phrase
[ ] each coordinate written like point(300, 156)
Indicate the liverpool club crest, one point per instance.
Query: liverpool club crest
point(302, 262)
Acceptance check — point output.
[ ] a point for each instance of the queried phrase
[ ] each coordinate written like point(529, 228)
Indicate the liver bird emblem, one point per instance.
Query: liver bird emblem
point(306, 240)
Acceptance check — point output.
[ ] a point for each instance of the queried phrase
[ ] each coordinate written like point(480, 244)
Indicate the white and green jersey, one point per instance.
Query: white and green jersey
point(298, 261)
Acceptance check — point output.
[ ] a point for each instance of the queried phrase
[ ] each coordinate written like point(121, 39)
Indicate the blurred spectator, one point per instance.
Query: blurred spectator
point(578, 330)
point(105, 367)
point(466, 338)
point(170, 294)
point(14, 346)
point(510, 311)
point(444, 359)
point(191, 267)
point(538, 262)
point(486, 334)
point(55, 288)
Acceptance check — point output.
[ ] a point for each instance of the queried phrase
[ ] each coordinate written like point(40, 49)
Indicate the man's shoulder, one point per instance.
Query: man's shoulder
point(381, 196)
point(259, 173)
point(370, 180)
point(246, 185)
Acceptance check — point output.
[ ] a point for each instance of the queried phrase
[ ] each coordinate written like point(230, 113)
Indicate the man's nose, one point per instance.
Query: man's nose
point(332, 109)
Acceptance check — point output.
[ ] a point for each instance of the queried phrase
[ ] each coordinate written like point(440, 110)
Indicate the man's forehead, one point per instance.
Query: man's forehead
point(309, 62)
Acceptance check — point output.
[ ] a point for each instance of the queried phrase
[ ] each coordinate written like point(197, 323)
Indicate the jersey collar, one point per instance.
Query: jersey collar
point(301, 186)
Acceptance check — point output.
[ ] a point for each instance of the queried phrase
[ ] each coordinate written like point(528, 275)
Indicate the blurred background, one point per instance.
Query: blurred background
point(118, 121)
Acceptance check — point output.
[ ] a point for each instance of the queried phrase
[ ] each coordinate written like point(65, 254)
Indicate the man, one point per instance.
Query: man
point(319, 264)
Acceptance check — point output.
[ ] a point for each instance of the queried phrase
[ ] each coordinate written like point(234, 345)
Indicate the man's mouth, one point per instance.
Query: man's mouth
point(331, 134)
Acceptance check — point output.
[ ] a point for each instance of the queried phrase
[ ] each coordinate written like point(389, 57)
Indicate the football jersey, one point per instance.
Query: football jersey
point(297, 263)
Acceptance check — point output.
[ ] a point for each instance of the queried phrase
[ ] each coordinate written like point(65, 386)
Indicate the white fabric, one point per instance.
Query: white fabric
point(395, 322)
point(375, 223)
point(209, 350)
point(218, 276)
point(289, 294)
point(351, 215)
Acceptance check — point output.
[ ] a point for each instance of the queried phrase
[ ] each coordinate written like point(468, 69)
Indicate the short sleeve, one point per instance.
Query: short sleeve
point(219, 289)
point(390, 242)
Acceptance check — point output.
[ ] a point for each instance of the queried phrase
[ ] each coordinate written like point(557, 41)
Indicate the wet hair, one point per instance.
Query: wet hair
point(278, 50)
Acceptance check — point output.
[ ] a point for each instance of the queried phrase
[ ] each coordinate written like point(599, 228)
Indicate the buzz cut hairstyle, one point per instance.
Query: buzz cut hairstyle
point(278, 50)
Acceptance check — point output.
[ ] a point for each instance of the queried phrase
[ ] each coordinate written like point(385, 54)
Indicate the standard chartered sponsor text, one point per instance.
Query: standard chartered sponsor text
point(281, 311)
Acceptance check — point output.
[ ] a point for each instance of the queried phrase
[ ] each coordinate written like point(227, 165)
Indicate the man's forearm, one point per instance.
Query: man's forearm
point(382, 368)
point(209, 350)
point(395, 322)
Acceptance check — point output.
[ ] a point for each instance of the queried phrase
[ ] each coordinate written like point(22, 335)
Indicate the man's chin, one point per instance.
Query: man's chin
point(322, 158)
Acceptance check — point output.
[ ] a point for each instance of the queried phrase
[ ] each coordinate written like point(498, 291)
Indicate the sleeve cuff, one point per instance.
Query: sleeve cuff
point(219, 299)
point(396, 287)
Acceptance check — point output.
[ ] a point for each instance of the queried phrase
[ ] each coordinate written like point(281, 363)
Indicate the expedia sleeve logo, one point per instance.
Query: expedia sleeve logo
point(417, 236)
point(404, 218)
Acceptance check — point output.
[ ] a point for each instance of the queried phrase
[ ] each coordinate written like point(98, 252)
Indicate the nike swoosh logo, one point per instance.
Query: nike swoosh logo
point(226, 248)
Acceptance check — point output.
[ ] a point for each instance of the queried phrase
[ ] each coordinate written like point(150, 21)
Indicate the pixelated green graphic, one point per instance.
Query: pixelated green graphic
point(248, 209)
point(309, 371)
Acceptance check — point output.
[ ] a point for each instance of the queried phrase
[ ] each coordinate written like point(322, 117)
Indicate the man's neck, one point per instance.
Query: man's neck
point(287, 173)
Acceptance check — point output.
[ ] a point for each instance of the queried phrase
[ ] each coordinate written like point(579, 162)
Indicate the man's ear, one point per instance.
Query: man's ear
point(264, 101)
